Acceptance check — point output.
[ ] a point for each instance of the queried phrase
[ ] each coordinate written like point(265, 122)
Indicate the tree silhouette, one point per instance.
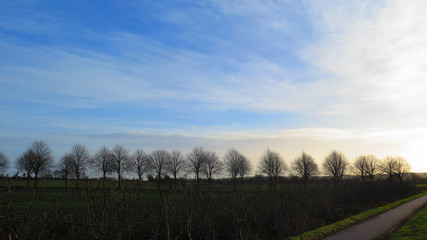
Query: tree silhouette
point(140, 163)
point(231, 162)
point(24, 163)
point(64, 167)
point(102, 162)
point(41, 158)
point(335, 165)
point(79, 157)
point(4, 163)
point(121, 162)
point(388, 166)
point(212, 165)
point(175, 164)
point(272, 165)
point(158, 161)
point(196, 160)
point(372, 166)
point(305, 166)
point(402, 168)
point(244, 166)
point(360, 166)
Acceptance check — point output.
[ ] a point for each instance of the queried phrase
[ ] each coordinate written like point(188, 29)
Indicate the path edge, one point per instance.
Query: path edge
point(328, 230)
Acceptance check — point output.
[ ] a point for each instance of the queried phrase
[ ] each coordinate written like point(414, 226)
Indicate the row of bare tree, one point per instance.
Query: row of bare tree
point(119, 161)
point(365, 166)
point(199, 163)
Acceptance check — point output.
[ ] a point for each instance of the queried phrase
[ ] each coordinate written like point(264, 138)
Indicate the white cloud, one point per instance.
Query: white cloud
point(376, 60)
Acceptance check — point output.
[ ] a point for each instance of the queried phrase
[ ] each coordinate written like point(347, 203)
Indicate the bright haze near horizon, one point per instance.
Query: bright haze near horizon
point(291, 76)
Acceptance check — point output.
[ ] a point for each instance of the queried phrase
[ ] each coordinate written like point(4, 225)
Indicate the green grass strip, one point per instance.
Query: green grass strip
point(414, 228)
point(325, 231)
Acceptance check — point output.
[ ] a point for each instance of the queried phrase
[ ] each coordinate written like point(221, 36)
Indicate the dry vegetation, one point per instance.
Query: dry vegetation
point(183, 209)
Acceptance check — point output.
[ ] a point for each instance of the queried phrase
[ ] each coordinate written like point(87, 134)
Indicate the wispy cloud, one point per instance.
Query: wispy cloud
point(142, 69)
point(291, 75)
point(375, 60)
point(368, 60)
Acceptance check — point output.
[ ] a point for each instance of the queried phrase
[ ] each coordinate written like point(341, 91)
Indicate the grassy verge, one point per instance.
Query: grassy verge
point(414, 228)
point(345, 223)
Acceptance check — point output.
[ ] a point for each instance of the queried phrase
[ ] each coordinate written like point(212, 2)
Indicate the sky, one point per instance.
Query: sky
point(292, 76)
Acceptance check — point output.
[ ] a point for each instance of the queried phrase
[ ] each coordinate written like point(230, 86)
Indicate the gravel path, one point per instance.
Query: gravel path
point(381, 224)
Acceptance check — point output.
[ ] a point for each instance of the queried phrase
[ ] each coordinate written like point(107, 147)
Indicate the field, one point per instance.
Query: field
point(183, 209)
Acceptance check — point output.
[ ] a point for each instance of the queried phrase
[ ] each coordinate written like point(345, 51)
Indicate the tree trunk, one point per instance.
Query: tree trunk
point(35, 180)
point(78, 178)
point(120, 178)
point(197, 177)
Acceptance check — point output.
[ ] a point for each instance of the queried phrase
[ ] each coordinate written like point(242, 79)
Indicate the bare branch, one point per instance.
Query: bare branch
point(335, 165)
point(102, 162)
point(305, 166)
point(4, 163)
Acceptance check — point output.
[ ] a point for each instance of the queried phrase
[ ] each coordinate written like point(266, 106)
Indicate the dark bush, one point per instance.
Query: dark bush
point(208, 210)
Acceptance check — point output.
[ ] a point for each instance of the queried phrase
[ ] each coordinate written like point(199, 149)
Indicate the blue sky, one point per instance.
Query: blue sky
point(290, 75)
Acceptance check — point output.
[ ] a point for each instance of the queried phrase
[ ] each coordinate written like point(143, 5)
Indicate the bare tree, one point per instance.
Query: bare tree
point(372, 166)
point(196, 160)
point(41, 158)
point(244, 166)
point(140, 163)
point(366, 165)
point(158, 161)
point(175, 164)
point(360, 166)
point(4, 163)
point(388, 166)
point(335, 165)
point(102, 162)
point(305, 166)
point(272, 164)
point(231, 162)
point(24, 163)
point(64, 167)
point(212, 165)
point(402, 168)
point(121, 162)
point(79, 157)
